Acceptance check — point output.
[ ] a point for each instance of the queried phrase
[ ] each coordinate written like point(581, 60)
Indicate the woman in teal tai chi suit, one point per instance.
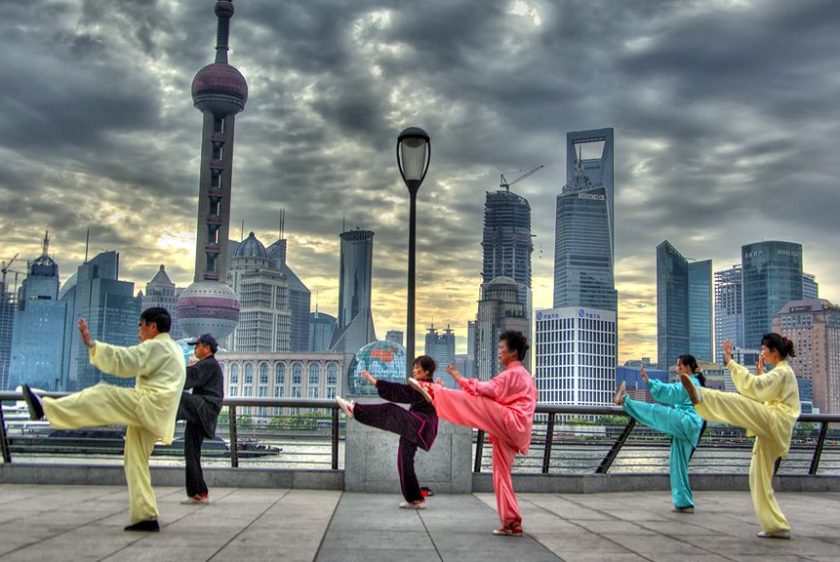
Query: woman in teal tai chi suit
point(674, 415)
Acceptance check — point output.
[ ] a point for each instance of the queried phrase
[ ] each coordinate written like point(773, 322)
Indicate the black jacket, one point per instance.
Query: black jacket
point(424, 421)
point(207, 382)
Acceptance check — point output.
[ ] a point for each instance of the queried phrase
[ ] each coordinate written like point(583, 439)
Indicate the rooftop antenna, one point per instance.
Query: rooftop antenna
point(87, 244)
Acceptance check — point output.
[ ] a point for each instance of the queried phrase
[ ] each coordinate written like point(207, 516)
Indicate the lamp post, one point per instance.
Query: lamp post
point(414, 151)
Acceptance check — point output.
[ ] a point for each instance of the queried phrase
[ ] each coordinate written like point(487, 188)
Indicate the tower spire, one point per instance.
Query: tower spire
point(224, 11)
point(45, 247)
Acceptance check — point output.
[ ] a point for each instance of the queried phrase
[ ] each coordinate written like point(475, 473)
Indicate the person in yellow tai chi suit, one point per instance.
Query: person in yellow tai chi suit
point(148, 410)
point(767, 405)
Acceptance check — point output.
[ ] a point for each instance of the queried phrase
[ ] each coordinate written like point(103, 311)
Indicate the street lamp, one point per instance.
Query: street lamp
point(414, 151)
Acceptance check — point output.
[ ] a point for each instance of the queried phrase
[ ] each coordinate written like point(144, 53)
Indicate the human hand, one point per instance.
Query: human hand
point(368, 377)
point(644, 375)
point(727, 351)
point(759, 366)
point(85, 333)
point(453, 372)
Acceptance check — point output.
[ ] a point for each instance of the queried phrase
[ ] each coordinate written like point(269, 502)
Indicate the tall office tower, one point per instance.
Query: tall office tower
point(810, 287)
point(355, 319)
point(584, 240)
point(729, 312)
point(683, 306)
point(499, 310)
point(265, 317)
point(441, 348)
point(7, 320)
point(472, 345)
point(321, 330)
point(772, 277)
point(299, 295)
point(38, 339)
point(506, 239)
point(111, 310)
point(219, 91)
point(700, 305)
point(814, 327)
point(161, 291)
point(575, 350)
point(394, 336)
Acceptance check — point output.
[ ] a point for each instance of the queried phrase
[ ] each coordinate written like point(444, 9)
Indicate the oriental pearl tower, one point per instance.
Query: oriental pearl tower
point(219, 91)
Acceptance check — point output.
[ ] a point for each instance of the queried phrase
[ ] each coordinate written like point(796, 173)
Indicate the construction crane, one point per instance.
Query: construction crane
point(503, 183)
point(5, 269)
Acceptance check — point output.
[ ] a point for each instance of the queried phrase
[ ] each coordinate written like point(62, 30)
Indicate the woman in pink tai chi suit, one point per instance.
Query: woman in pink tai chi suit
point(504, 408)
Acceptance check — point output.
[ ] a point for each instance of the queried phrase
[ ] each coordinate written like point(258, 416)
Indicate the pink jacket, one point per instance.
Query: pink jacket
point(515, 389)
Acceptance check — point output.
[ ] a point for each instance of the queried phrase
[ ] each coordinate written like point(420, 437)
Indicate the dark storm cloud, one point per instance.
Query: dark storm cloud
point(724, 114)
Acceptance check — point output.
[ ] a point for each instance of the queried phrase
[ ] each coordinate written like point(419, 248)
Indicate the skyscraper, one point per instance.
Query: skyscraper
point(219, 91)
point(299, 296)
point(729, 313)
point(321, 330)
point(506, 238)
point(772, 277)
point(355, 320)
point(499, 310)
point(7, 322)
point(161, 291)
point(700, 310)
point(441, 348)
point(814, 327)
point(265, 318)
point(584, 240)
point(810, 287)
point(111, 310)
point(38, 339)
point(683, 306)
point(394, 336)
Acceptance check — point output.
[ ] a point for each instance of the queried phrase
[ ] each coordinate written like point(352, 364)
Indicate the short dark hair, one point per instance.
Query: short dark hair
point(158, 316)
point(426, 363)
point(515, 341)
point(780, 343)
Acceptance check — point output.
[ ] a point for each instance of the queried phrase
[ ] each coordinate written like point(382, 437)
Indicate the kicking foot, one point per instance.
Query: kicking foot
point(423, 388)
point(690, 389)
point(33, 402)
point(620, 393)
point(774, 535)
point(512, 530)
point(688, 509)
point(202, 499)
point(346, 405)
point(419, 504)
point(147, 526)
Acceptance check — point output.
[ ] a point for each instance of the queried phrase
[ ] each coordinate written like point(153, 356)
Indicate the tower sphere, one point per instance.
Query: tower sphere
point(208, 307)
point(223, 8)
point(220, 89)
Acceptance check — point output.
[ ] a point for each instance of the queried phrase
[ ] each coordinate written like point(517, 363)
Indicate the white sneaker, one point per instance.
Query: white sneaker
point(774, 535)
point(346, 405)
point(413, 505)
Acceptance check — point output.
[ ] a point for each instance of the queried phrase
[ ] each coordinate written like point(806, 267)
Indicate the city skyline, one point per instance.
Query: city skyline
point(115, 148)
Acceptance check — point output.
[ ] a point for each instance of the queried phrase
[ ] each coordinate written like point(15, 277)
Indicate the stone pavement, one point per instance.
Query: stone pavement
point(66, 523)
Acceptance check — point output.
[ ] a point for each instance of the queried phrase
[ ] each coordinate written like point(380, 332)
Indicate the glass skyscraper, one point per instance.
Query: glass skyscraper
point(584, 239)
point(506, 239)
point(772, 277)
point(729, 312)
point(355, 327)
point(683, 306)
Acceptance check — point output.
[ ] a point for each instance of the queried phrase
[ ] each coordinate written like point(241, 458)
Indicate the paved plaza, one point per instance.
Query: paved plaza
point(66, 523)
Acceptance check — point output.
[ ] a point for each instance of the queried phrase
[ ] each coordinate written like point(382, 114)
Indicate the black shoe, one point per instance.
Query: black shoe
point(149, 526)
point(33, 402)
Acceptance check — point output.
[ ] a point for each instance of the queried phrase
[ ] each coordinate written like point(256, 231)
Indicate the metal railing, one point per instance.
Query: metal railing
point(565, 439)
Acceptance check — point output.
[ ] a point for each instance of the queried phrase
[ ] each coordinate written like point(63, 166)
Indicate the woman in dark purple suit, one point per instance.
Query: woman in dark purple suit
point(417, 426)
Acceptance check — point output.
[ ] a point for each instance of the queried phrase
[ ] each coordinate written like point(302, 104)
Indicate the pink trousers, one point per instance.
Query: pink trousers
point(483, 413)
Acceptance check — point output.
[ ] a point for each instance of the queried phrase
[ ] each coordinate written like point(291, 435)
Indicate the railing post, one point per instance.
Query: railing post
point(479, 450)
point(815, 462)
point(234, 444)
point(335, 438)
point(614, 450)
point(549, 441)
point(4, 441)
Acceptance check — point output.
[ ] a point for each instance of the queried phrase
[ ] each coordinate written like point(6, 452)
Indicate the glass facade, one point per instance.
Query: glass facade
point(729, 312)
point(506, 238)
point(772, 277)
point(584, 240)
point(700, 310)
point(672, 312)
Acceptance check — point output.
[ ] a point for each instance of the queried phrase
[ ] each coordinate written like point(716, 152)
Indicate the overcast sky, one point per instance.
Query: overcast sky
point(725, 116)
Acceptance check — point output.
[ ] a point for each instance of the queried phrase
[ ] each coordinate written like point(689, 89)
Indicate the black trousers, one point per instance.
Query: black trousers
point(190, 410)
point(395, 419)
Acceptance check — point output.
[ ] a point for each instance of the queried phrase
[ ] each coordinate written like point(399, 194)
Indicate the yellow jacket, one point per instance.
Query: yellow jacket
point(158, 365)
point(778, 390)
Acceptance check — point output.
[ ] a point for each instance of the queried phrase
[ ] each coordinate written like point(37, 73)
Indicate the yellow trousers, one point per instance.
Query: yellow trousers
point(758, 419)
point(106, 404)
